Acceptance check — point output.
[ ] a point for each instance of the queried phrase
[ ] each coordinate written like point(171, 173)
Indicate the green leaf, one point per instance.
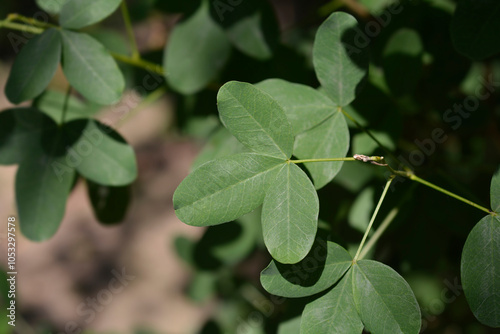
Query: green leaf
point(184, 247)
point(224, 189)
point(495, 192)
point(328, 139)
point(340, 62)
point(51, 103)
point(203, 286)
point(256, 119)
point(76, 14)
point(290, 215)
point(385, 302)
point(334, 312)
point(42, 188)
point(404, 50)
point(362, 209)
point(319, 270)
point(480, 270)
point(99, 153)
point(109, 204)
point(221, 144)
point(227, 244)
point(34, 67)
point(90, 69)
point(21, 133)
point(51, 6)
point(474, 26)
point(305, 107)
point(290, 326)
point(195, 53)
point(250, 25)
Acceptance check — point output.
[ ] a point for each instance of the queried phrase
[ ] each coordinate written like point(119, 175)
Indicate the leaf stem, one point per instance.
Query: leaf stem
point(128, 25)
point(35, 27)
point(65, 105)
point(387, 185)
point(149, 66)
point(155, 95)
point(321, 160)
point(29, 20)
point(378, 233)
point(449, 193)
point(20, 27)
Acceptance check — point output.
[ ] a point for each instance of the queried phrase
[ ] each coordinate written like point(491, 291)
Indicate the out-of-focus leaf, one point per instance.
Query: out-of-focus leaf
point(90, 69)
point(474, 28)
point(110, 204)
point(34, 67)
point(195, 53)
point(21, 134)
point(99, 153)
point(76, 14)
point(404, 50)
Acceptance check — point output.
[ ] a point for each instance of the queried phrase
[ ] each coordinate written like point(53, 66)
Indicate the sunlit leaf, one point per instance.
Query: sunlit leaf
point(340, 61)
point(290, 215)
point(334, 312)
point(222, 143)
point(480, 270)
point(319, 270)
point(256, 119)
point(385, 302)
point(330, 139)
point(224, 189)
point(291, 326)
point(304, 106)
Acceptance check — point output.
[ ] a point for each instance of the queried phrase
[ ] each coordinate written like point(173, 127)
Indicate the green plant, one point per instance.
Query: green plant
point(284, 145)
point(276, 119)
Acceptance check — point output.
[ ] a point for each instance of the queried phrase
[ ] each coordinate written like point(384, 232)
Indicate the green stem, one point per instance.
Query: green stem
point(321, 160)
point(20, 27)
point(449, 193)
point(139, 63)
point(378, 233)
point(124, 59)
point(29, 20)
point(65, 105)
point(128, 25)
point(362, 128)
point(387, 185)
point(155, 95)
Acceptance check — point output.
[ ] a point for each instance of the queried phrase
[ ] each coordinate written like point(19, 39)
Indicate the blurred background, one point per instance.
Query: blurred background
point(179, 279)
